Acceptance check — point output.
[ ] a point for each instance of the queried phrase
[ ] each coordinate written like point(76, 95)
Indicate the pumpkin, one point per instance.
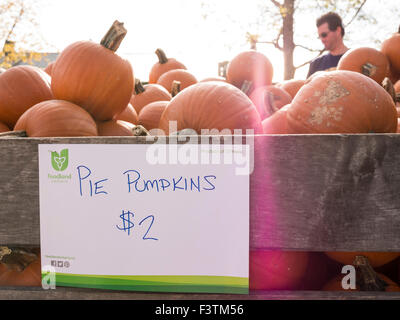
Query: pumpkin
point(292, 86)
point(93, 76)
point(276, 270)
point(49, 67)
point(342, 101)
point(21, 87)
point(277, 123)
point(163, 65)
point(392, 75)
point(185, 78)
point(398, 109)
point(397, 86)
point(376, 259)
point(4, 127)
point(211, 105)
point(252, 66)
point(56, 118)
point(144, 94)
point(129, 114)
point(269, 99)
point(149, 116)
point(335, 284)
point(115, 128)
point(368, 61)
point(390, 47)
point(218, 78)
point(30, 277)
point(399, 270)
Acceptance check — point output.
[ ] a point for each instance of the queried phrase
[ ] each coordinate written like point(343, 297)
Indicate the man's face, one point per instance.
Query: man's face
point(328, 38)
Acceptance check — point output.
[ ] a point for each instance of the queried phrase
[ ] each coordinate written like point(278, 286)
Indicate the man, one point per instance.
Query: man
point(330, 32)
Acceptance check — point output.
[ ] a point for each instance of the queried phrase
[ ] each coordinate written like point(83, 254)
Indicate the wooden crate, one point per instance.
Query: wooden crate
point(307, 193)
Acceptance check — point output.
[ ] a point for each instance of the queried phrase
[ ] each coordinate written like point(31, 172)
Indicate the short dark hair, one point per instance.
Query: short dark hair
point(333, 20)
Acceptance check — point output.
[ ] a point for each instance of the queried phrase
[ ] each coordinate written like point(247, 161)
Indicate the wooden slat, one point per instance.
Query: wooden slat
point(313, 193)
point(63, 293)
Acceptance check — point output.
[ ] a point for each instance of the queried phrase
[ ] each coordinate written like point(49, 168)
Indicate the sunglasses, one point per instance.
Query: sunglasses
point(323, 35)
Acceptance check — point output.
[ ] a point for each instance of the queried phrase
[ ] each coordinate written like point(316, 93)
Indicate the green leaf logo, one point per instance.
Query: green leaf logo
point(59, 161)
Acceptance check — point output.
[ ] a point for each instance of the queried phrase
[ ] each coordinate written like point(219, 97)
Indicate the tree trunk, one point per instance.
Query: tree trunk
point(288, 43)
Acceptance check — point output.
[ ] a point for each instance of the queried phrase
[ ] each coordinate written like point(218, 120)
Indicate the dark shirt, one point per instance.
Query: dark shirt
point(323, 62)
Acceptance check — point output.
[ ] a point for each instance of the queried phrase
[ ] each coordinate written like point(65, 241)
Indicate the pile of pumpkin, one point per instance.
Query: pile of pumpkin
point(91, 91)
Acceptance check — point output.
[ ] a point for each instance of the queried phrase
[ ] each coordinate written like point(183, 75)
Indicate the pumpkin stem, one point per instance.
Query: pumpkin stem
point(139, 130)
point(368, 69)
point(162, 57)
point(369, 280)
point(269, 103)
point(139, 88)
point(175, 88)
point(4, 251)
point(246, 86)
point(388, 86)
point(114, 36)
point(19, 258)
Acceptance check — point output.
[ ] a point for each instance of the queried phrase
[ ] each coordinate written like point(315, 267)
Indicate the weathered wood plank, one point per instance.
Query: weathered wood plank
point(60, 293)
point(314, 192)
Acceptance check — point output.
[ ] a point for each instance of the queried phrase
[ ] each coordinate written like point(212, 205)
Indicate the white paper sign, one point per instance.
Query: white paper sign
point(122, 216)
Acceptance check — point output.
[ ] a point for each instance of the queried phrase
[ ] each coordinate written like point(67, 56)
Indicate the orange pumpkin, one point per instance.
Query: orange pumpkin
point(115, 128)
point(30, 277)
point(213, 79)
point(376, 259)
point(269, 99)
point(21, 87)
point(252, 66)
point(56, 118)
point(49, 67)
point(144, 94)
point(150, 115)
point(368, 61)
point(4, 127)
point(277, 123)
point(291, 86)
point(396, 86)
point(129, 114)
point(392, 75)
point(276, 270)
point(94, 77)
point(163, 65)
point(342, 102)
point(211, 105)
point(335, 284)
point(390, 48)
point(185, 78)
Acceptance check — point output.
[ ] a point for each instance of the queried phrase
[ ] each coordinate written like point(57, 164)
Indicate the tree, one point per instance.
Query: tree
point(287, 10)
point(18, 32)
point(289, 25)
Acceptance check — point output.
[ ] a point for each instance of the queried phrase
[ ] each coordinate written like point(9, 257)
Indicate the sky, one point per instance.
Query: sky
point(179, 28)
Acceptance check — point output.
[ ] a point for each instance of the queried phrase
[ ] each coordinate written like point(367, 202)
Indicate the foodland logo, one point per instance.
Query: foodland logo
point(59, 162)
